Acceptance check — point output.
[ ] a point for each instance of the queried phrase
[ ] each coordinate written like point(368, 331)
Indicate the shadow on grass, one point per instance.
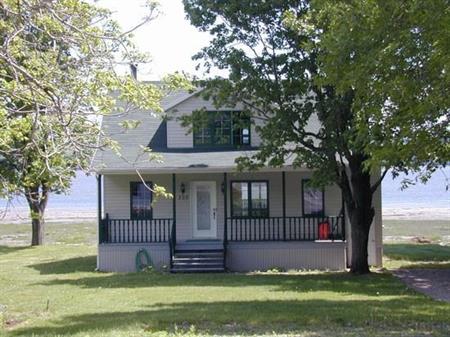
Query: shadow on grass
point(371, 285)
point(417, 252)
point(12, 249)
point(256, 317)
point(72, 265)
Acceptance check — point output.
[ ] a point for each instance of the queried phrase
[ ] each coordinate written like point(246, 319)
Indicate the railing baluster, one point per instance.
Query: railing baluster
point(119, 231)
point(231, 229)
point(271, 229)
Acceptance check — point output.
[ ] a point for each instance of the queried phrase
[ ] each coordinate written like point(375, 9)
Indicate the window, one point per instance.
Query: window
point(249, 199)
point(312, 200)
point(140, 200)
point(221, 129)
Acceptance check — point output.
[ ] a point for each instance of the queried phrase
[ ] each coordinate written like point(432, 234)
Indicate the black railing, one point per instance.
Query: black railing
point(135, 231)
point(286, 229)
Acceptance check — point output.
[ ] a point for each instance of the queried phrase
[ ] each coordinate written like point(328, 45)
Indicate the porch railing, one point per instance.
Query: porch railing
point(135, 231)
point(286, 229)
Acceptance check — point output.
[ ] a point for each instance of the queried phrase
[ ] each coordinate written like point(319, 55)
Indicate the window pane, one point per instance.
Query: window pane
point(222, 128)
point(259, 199)
point(239, 198)
point(241, 129)
point(141, 199)
point(313, 200)
point(202, 136)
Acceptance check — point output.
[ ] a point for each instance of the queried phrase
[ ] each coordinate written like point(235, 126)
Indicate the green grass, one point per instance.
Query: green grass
point(400, 251)
point(403, 230)
point(55, 291)
point(401, 255)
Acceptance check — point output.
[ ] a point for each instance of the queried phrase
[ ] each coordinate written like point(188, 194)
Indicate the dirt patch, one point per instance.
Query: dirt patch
point(432, 282)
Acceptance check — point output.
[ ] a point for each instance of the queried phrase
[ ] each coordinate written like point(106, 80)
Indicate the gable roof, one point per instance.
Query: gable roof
point(152, 133)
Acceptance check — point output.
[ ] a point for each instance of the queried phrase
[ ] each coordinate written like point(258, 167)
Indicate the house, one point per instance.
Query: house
point(218, 218)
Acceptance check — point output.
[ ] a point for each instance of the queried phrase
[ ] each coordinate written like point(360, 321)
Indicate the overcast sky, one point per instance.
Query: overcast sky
point(170, 39)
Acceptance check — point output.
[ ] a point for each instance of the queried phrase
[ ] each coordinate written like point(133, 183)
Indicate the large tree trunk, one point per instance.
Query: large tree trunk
point(358, 201)
point(37, 201)
point(38, 226)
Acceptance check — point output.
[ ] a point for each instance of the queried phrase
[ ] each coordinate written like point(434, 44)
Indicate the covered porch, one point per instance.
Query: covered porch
point(213, 212)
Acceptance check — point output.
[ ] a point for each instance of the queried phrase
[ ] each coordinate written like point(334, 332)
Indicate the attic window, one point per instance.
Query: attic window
point(221, 129)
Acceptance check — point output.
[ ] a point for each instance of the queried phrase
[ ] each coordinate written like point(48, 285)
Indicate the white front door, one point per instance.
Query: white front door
point(204, 209)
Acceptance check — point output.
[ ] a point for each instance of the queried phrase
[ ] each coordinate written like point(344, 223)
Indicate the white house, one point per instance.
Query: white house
point(219, 219)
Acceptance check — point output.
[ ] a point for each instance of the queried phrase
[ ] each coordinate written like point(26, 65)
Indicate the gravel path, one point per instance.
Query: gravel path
point(432, 282)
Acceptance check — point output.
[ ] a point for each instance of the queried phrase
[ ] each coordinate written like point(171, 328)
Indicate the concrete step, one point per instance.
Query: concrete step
point(197, 263)
point(198, 254)
point(200, 245)
point(198, 270)
point(198, 258)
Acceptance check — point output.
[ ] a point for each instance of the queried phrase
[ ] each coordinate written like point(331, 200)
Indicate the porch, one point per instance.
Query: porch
point(202, 212)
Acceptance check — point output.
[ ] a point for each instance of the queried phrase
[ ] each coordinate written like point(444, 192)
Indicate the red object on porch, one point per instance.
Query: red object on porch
point(324, 230)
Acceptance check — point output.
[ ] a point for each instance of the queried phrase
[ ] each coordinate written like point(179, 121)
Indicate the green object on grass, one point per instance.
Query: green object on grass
point(140, 264)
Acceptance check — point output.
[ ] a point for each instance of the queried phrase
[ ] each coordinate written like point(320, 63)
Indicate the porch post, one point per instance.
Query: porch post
point(225, 211)
point(99, 208)
point(174, 208)
point(283, 176)
point(343, 216)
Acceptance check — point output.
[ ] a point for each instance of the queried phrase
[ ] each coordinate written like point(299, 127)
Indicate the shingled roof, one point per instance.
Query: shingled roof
point(152, 133)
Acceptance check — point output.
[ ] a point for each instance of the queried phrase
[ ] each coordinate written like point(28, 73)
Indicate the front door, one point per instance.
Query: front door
point(204, 209)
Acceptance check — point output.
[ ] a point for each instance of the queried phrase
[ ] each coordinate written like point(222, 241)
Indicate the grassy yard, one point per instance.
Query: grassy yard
point(55, 291)
point(404, 230)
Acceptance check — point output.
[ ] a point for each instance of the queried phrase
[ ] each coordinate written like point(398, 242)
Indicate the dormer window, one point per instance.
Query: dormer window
point(221, 129)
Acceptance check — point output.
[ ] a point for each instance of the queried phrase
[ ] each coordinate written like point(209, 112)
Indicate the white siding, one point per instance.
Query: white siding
point(286, 255)
point(122, 257)
point(117, 196)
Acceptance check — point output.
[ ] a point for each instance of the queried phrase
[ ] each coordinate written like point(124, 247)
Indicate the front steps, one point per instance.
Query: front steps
point(198, 257)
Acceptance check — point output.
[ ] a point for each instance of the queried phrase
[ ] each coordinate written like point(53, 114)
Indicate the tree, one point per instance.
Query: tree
point(26, 171)
point(275, 59)
point(57, 80)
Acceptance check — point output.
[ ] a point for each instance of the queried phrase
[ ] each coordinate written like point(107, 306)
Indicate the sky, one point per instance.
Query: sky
point(170, 39)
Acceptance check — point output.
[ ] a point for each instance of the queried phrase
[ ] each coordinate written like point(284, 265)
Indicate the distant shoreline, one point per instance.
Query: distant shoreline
point(20, 215)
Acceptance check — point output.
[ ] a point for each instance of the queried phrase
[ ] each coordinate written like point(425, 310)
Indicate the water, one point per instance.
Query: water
point(83, 194)
point(433, 194)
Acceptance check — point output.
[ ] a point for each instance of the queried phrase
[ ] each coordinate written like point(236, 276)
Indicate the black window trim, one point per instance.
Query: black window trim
point(250, 200)
point(322, 213)
point(224, 146)
point(132, 216)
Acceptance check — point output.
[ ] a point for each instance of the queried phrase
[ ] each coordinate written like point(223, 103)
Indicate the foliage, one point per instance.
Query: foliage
point(57, 69)
point(280, 67)
point(395, 57)
point(57, 80)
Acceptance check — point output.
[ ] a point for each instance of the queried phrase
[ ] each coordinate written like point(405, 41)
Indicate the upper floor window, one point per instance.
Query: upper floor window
point(312, 200)
point(140, 200)
point(221, 129)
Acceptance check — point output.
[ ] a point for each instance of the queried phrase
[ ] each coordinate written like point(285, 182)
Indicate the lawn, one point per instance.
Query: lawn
point(55, 291)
